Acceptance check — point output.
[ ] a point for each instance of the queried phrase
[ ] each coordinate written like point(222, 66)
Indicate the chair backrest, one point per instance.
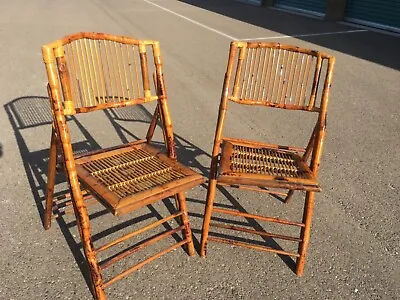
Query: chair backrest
point(280, 76)
point(98, 71)
point(277, 75)
point(93, 71)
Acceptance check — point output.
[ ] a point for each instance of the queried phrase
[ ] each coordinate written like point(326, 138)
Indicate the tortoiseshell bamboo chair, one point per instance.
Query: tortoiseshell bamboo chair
point(274, 75)
point(94, 71)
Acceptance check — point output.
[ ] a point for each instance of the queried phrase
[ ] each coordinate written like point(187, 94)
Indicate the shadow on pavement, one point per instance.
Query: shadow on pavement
point(30, 112)
point(372, 46)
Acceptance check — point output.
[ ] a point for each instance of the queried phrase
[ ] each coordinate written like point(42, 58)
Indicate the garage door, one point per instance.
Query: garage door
point(315, 6)
point(383, 14)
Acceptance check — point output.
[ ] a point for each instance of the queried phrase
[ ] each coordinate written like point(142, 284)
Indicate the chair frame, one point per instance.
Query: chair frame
point(62, 104)
point(256, 182)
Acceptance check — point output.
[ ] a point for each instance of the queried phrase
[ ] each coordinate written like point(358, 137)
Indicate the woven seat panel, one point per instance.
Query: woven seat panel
point(131, 172)
point(265, 161)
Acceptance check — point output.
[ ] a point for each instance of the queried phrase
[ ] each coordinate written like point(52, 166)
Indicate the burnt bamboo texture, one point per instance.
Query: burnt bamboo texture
point(278, 76)
point(93, 71)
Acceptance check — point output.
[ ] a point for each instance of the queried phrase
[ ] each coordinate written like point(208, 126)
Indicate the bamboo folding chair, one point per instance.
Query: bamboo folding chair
point(94, 71)
point(274, 75)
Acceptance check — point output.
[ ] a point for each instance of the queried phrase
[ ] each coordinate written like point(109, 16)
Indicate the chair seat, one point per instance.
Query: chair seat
point(133, 176)
point(252, 163)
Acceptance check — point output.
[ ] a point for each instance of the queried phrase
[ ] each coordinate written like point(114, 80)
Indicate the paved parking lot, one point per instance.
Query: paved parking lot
point(355, 243)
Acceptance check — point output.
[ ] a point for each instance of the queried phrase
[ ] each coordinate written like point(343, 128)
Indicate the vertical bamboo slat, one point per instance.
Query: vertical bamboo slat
point(145, 72)
point(245, 76)
point(242, 54)
point(88, 74)
point(64, 78)
point(263, 75)
point(119, 79)
point(282, 76)
point(315, 85)
point(287, 79)
point(101, 72)
point(96, 79)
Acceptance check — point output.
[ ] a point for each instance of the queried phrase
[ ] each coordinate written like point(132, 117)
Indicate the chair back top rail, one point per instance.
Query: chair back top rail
point(98, 71)
point(283, 76)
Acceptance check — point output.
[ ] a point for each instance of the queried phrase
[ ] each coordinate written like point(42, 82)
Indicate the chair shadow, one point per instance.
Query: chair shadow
point(29, 112)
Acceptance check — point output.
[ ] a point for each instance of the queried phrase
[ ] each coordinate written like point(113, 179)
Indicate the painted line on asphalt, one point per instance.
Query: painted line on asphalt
point(303, 35)
point(192, 21)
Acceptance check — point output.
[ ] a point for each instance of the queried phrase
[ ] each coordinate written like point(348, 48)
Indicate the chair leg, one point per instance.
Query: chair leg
point(94, 269)
point(207, 216)
point(177, 205)
point(95, 272)
point(187, 232)
point(289, 196)
point(305, 232)
point(51, 177)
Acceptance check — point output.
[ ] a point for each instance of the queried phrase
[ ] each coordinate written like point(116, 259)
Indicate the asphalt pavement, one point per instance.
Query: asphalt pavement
point(355, 240)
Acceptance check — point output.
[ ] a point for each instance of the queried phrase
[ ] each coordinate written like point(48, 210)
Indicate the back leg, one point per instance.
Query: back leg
point(51, 177)
point(305, 232)
point(187, 232)
point(289, 196)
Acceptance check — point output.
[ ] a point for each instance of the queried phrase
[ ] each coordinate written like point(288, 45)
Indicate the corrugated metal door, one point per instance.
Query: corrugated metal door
point(253, 2)
point(318, 6)
point(383, 14)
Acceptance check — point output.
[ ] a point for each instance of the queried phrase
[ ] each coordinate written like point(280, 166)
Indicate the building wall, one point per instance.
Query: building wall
point(336, 11)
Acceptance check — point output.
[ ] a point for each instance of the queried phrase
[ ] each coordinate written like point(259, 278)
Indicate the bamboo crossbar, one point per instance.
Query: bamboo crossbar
point(272, 183)
point(66, 210)
point(256, 189)
point(252, 231)
point(109, 262)
point(66, 203)
point(89, 155)
point(146, 261)
point(262, 145)
point(257, 217)
point(137, 232)
point(252, 246)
